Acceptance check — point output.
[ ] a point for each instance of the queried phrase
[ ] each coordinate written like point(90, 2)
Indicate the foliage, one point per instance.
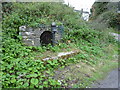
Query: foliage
point(99, 8)
point(106, 12)
point(19, 67)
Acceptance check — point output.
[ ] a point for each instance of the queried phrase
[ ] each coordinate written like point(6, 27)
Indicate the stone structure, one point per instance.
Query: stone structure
point(39, 35)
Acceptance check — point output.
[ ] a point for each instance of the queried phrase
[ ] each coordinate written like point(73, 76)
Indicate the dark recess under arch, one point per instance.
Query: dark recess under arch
point(46, 38)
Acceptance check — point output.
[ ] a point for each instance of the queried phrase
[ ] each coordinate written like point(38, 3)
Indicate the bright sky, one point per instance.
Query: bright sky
point(79, 4)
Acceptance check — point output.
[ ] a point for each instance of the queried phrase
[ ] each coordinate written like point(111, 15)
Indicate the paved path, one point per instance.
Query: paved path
point(111, 81)
point(117, 36)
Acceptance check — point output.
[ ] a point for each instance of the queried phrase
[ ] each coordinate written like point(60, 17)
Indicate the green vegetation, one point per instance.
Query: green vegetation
point(22, 66)
point(105, 15)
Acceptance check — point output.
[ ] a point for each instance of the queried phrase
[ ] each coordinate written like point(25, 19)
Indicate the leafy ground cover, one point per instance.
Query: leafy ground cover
point(22, 66)
point(83, 73)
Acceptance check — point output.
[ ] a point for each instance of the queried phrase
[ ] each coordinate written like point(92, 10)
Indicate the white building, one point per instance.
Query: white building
point(85, 15)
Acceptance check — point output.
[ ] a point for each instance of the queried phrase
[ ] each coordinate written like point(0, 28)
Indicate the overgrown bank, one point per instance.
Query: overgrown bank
point(21, 68)
point(105, 15)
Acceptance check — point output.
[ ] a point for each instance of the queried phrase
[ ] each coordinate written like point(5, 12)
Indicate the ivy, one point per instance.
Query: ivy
point(20, 69)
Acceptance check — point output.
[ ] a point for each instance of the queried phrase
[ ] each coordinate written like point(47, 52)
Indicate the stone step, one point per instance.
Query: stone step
point(62, 55)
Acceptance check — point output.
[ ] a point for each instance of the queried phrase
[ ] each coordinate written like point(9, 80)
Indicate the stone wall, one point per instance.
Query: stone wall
point(31, 36)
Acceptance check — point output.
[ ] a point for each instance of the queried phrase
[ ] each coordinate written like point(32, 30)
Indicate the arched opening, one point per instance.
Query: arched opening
point(46, 38)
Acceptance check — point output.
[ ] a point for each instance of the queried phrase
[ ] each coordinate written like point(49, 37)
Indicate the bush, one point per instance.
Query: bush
point(106, 13)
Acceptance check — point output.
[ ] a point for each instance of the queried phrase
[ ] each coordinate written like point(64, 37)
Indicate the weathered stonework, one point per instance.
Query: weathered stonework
point(34, 36)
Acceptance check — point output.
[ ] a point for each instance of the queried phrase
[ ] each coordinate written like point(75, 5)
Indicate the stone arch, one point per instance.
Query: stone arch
point(46, 38)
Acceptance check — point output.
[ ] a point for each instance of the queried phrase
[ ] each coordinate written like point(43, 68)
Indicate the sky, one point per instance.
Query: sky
point(79, 4)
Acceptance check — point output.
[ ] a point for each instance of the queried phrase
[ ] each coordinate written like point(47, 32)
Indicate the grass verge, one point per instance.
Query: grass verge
point(82, 74)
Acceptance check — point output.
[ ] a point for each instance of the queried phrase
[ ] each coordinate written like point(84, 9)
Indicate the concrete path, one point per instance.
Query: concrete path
point(117, 36)
point(111, 81)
